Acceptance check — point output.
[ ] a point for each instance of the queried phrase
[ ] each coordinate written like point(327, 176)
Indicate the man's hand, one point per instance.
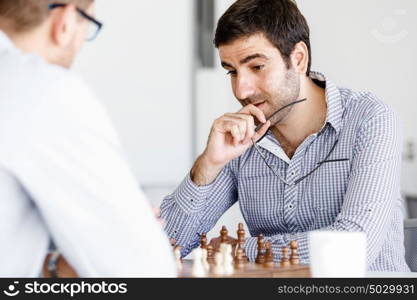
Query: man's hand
point(63, 268)
point(157, 213)
point(230, 136)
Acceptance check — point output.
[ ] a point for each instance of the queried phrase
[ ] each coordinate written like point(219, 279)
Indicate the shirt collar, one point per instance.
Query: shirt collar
point(333, 99)
point(334, 116)
point(270, 143)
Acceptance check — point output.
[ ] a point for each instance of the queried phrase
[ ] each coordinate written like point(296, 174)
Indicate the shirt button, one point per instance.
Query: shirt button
point(292, 173)
point(290, 206)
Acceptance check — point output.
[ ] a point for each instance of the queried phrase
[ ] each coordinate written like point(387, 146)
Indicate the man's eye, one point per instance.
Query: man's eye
point(231, 73)
point(258, 68)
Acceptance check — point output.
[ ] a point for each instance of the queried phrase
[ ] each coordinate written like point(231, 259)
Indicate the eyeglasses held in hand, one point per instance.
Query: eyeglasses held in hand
point(275, 119)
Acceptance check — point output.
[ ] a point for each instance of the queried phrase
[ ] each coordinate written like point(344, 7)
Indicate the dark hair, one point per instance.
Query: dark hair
point(23, 15)
point(280, 20)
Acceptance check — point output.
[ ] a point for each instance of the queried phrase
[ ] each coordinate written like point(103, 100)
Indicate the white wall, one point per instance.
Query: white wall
point(141, 67)
point(368, 45)
point(371, 45)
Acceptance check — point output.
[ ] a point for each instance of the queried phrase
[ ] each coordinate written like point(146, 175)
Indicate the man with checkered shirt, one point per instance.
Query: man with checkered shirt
point(331, 162)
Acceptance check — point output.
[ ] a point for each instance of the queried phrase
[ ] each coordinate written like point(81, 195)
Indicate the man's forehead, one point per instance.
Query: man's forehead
point(241, 48)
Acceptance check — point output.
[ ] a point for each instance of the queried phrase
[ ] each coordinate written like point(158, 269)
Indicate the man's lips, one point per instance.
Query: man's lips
point(259, 103)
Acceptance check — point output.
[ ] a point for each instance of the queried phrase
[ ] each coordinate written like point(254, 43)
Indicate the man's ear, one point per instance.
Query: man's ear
point(300, 57)
point(63, 25)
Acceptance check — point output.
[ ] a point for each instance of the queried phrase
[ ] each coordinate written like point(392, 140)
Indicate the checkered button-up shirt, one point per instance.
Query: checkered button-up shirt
point(357, 188)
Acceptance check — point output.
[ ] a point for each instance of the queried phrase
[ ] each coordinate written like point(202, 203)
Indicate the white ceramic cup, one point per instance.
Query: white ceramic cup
point(337, 254)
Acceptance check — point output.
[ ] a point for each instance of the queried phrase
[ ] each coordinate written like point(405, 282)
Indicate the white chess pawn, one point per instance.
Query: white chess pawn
point(198, 269)
point(177, 255)
point(228, 260)
point(204, 260)
point(218, 267)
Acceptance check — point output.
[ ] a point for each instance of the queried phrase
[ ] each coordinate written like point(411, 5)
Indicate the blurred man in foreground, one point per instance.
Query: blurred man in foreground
point(63, 174)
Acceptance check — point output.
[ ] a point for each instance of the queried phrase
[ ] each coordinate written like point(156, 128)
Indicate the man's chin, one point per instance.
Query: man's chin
point(67, 64)
point(66, 59)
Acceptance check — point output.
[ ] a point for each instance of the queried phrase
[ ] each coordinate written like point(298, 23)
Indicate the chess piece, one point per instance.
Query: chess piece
point(269, 255)
point(240, 260)
point(241, 242)
point(285, 262)
point(178, 259)
point(204, 260)
point(294, 259)
point(198, 269)
point(203, 241)
point(210, 254)
point(218, 267)
point(240, 233)
point(226, 251)
point(224, 235)
point(260, 258)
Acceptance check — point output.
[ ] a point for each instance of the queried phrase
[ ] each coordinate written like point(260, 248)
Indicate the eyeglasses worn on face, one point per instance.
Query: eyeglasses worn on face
point(97, 25)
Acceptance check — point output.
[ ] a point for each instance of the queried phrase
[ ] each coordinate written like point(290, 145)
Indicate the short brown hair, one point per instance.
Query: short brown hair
point(23, 15)
point(280, 20)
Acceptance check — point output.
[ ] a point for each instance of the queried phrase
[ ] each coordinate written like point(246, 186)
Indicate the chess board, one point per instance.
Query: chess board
point(253, 270)
point(220, 258)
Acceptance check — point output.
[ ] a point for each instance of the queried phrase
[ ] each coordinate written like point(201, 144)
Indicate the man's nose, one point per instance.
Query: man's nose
point(244, 87)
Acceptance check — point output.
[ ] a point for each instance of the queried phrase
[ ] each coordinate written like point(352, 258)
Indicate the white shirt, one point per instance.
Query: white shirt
point(63, 176)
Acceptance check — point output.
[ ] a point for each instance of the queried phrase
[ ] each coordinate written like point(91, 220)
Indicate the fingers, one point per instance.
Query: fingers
point(254, 111)
point(156, 211)
point(261, 132)
point(237, 127)
point(236, 132)
point(241, 125)
point(157, 214)
point(248, 128)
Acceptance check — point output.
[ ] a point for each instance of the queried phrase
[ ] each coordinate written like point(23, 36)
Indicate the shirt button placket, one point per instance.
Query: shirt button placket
point(289, 206)
point(290, 194)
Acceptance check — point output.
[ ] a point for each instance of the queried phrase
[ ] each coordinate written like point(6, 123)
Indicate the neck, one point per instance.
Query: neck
point(29, 43)
point(34, 41)
point(305, 118)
